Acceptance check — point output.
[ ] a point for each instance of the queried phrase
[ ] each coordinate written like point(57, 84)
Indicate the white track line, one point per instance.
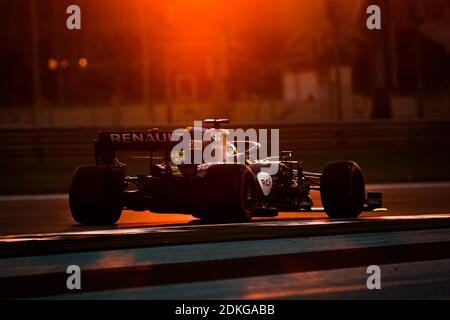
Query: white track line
point(186, 228)
point(163, 229)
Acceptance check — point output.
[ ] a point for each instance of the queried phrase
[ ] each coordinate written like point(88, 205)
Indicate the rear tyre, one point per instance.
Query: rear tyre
point(342, 189)
point(95, 195)
point(229, 193)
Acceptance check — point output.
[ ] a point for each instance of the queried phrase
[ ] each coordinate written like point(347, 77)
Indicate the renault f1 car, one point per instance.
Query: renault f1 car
point(219, 191)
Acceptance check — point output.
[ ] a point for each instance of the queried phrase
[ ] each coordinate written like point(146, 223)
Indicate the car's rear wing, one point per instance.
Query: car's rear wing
point(111, 141)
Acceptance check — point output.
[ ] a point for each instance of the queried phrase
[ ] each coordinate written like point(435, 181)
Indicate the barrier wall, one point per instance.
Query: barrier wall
point(299, 137)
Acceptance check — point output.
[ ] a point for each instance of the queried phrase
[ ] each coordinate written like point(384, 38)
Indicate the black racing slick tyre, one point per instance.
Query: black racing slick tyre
point(95, 195)
point(342, 189)
point(229, 193)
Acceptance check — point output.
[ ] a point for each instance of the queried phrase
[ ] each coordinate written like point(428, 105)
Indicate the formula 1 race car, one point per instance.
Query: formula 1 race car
point(211, 191)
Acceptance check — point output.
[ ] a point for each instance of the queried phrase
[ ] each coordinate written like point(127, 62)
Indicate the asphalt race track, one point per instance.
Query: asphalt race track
point(293, 256)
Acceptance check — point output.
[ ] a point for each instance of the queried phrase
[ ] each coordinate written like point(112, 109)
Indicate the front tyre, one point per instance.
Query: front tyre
point(95, 195)
point(342, 189)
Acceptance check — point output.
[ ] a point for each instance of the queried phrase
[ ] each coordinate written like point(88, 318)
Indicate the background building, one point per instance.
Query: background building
point(136, 62)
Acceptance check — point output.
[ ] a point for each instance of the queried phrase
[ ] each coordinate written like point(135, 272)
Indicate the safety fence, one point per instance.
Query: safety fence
point(299, 137)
